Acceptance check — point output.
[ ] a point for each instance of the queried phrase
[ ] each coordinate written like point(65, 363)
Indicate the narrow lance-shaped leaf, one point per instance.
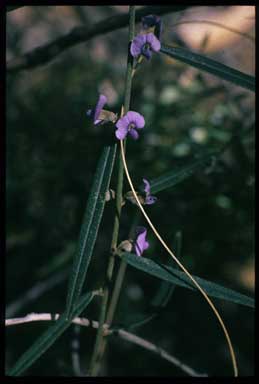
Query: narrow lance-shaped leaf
point(44, 342)
point(178, 175)
point(211, 66)
point(90, 226)
point(179, 278)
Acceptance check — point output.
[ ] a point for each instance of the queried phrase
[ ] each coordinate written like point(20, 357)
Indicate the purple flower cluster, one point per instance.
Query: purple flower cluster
point(143, 44)
point(128, 124)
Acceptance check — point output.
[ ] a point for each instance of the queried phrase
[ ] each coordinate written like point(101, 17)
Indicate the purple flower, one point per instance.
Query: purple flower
point(95, 113)
point(144, 45)
point(140, 243)
point(152, 21)
point(149, 199)
point(129, 124)
point(100, 115)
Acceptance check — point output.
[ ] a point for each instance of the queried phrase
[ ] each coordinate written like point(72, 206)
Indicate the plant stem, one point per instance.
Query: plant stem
point(120, 277)
point(100, 343)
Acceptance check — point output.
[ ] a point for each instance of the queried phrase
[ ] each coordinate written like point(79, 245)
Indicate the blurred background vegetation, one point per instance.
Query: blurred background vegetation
point(52, 151)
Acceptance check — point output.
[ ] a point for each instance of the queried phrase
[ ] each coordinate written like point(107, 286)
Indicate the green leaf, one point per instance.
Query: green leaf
point(44, 342)
point(179, 278)
point(178, 175)
point(211, 66)
point(90, 226)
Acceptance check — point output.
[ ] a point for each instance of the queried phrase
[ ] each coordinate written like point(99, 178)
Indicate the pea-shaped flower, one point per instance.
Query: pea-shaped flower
point(100, 115)
point(129, 124)
point(149, 199)
point(144, 45)
point(140, 244)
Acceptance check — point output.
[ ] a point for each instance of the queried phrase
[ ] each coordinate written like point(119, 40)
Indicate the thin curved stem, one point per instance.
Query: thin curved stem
point(232, 353)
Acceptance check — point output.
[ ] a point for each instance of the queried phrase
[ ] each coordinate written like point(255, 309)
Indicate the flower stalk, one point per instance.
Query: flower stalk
point(100, 342)
point(120, 277)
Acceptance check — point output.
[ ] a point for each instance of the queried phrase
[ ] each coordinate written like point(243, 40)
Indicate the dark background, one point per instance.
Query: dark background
point(52, 152)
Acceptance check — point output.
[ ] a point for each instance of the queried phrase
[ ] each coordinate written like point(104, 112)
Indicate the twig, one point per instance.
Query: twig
point(159, 351)
point(31, 317)
point(130, 337)
point(47, 52)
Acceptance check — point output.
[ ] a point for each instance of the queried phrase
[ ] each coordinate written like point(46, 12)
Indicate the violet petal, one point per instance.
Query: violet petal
point(99, 122)
point(147, 186)
point(154, 42)
point(137, 44)
point(121, 133)
point(141, 244)
point(133, 133)
point(99, 106)
point(136, 118)
point(122, 123)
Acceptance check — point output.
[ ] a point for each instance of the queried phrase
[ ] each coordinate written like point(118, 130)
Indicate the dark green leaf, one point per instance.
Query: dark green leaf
point(178, 175)
point(211, 66)
point(179, 278)
point(44, 342)
point(90, 226)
